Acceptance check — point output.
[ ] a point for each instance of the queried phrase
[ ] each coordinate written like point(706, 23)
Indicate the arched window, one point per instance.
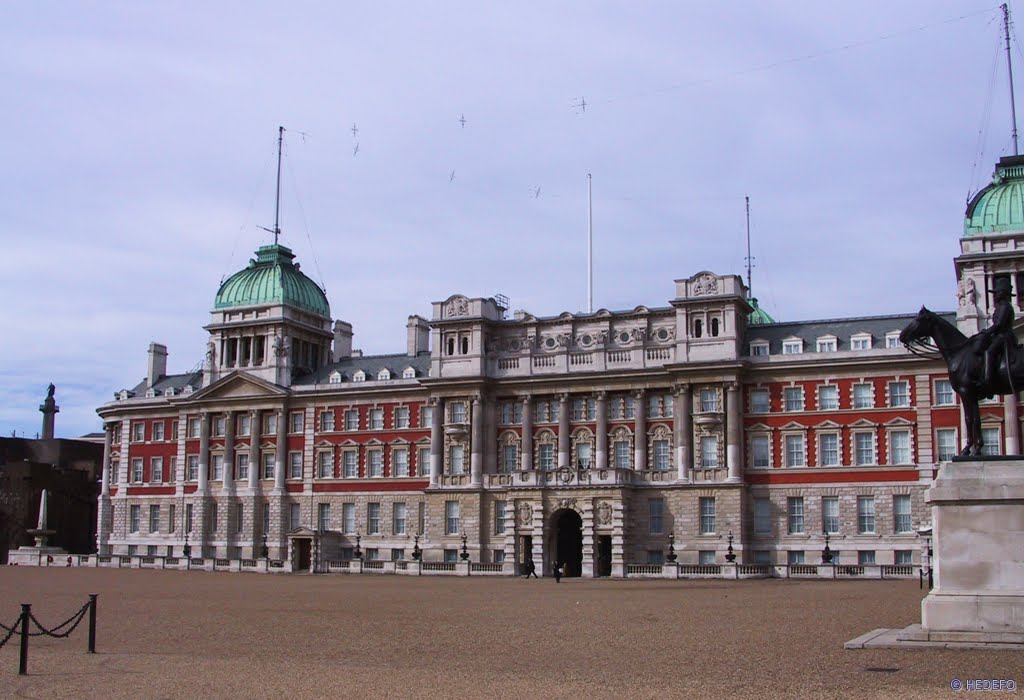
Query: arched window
point(714, 327)
point(698, 328)
point(465, 346)
point(451, 346)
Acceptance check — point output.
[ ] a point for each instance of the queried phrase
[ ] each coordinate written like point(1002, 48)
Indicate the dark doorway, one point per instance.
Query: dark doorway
point(604, 555)
point(305, 547)
point(526, 554)
point(569, 542)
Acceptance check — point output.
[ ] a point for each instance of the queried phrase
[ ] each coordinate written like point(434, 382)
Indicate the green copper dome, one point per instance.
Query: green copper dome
point(1000, 206)
point(272, 278)
point(758, 316)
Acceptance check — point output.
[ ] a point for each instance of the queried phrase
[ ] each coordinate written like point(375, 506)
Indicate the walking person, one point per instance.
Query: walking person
point(558, 572)
point(531, 568)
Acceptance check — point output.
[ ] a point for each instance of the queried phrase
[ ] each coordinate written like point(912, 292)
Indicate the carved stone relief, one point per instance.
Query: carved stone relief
point(705, 284)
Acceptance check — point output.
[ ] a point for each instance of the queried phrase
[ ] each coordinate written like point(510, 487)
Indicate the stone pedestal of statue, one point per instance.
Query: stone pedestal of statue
point(41, 554)
point(978, 535)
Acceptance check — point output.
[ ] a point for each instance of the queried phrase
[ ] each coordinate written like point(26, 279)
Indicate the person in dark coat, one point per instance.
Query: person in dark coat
point(558, 572)
point(531, 568)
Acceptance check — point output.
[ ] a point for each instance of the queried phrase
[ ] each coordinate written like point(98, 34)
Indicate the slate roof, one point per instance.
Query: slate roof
point(370, 364)
point(176, 381)
point(842, 328)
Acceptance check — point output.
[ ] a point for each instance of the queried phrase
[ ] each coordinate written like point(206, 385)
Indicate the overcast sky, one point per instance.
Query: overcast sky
point(139, 144)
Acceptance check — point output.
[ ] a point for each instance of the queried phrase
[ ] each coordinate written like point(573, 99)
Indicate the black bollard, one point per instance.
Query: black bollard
point(26, 610)
point(92, 623)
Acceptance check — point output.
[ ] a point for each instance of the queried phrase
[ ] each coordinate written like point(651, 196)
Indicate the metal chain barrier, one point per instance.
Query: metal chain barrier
point(61, 631)
point(74, 621)
point(10, 631)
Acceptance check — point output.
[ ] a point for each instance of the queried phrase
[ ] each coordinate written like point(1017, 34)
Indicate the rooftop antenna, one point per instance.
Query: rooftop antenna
point(277, 199)
point(1009, 71)
point(590, 245)
point(750, 284)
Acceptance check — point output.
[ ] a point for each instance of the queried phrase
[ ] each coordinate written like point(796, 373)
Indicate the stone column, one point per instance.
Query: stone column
point(1011, 417)
point(281, 452)
point(601, 441)
point(526, 444)
point(563, 431)
point(229, 454)
point(203, 488)
point(733, 448)
point(255, 465)
point(683, 429)
point(108, 439)
point(436, 441)
point(640, 432)
point(476, 457)
point(490, 444)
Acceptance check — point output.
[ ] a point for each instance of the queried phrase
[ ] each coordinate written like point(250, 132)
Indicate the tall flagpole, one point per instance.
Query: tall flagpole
point(590, 245)
point(750, 284)
point(277, 199)
point(1009, 71)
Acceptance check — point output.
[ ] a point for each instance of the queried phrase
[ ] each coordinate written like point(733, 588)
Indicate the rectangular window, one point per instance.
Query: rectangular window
point(546, 456)
point(795, 514)
point(399, 461)
point(138, 432)
point(990, 441)
point(455, 454)
point(188, 517)
point(656, 515)
point(899, 394)
point(946, 440)
point(901, 509)
point(793, 398)
point(759, 349)
point(944, 395)
point(583, 455)
point(156, 470)
point(655, 557)
point(137, 470)
point(794, 447)
point(762, 516)
point(421, 517)
point(348, 518)
point(863, 396)
point(398, 519)
point(866, 557)
point(458, 412)
point(862, 342)
point(509, 457)
point(707, 515)
point(661, 455)
point(158, 431)
point(295, 421)
point(708, 401)
point(760, 451)
point(903, 557)
point(426, 416)
point(828, 449)
point(402, 417)
point(154, 518)
point(830, 514)
point(377, 419)
point(579, 409)
point(218, 426)
point(172, 469)
point(193, 427)
point(899, 447)
point(373, 518)
point(375, 463)
point(350, 463)
point(327, 421)
point(244, 425)
point(826, 345)
point(323, 517)
point(352, 419)
point(423, 461)
point(795, 557)
point(217, 465)
point(269, 460)
point(171, 525)
point(242, 463)
point(270, 424)
point(397, 554)
point(294, 516)
point(499, 557)
point(499, 517)
point(706, 557)
point(174, 430)
point(760, 401)
point(864, 448)
point(828, 397)
point(892, 340)
point(133, 518)
point(621, 448)
point(294, 465)
point(451, 517)
point(709, 451)
point(451, 555)
point(865, 514)
point(792, 347)
point(325, 465)
point(372, 554)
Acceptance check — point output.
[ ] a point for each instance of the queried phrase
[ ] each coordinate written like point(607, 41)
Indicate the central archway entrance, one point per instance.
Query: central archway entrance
point(568, 540)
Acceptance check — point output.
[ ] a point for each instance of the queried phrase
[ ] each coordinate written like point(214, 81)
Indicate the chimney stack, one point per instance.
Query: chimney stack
point(418, 336)
point(157, 368)
point(342, 341)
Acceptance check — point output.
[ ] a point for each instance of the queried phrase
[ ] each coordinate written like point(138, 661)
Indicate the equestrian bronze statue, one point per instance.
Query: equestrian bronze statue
point(987, 364)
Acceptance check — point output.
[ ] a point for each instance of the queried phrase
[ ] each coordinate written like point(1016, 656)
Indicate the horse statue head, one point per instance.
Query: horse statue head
point(920, 329)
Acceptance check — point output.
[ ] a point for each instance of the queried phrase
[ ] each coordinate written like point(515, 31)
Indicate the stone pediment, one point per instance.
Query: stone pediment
point(238, 385)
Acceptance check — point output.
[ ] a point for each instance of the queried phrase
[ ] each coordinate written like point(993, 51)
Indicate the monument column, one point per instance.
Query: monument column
point(436, 440)
point(601, 441)
point(103, 512)
point(563, 431)
point(640, 433)
point(526, 456)
point(683, 431)
point(476, 443)
point(49, 409)
point(1012, 418)
point(733, 459)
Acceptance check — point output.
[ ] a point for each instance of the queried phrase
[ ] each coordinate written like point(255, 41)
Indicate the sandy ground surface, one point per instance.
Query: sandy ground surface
point(198, 635)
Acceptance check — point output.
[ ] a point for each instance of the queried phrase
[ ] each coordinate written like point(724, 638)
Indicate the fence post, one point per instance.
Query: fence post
point(92, 623)
point(26, 610)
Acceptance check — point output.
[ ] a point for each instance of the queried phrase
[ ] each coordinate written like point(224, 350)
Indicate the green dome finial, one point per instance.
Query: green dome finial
point(272, 278)
point(1000, 205)
point(758, 316)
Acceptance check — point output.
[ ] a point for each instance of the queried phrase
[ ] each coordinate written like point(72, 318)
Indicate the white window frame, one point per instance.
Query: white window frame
point(827, 343)
point(327, 421)
point(898, 392)
point(400, 461)
point(833, 434)
point(861, 341)
point(944, 394)
point(376, 419)
point(892, 340)
point(828, 397)
point(795, 524)
point(862, 402)
point(793, 346)
point(891, 439)
point(954, 446)
point(793, 456)
point(374, 463)
point(755, 404)
point(759, 348)
point(787, 403)
point(866, 522)
point(827, 518)
point(902, 518)
point(858, 456)
point(756, 440)
point(401, 417)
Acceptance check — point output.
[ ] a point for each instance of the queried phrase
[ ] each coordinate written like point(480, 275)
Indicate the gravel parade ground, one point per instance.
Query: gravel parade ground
point(170, 634)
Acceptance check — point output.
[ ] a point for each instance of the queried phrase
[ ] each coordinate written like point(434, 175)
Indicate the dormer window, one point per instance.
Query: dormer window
point(861, 341)
point(759, 348)
point(792, 346)
point(359, 376)
point(892, 340)
point(384, 374)
point(827, 343)
point(408, 373)
point(334, 377)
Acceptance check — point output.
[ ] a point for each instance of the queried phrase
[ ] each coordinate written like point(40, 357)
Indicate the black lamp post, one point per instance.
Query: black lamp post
point(465, 553)
point(826, 554)
point(671, 556)
point(416, 551)
point(730, 556)
point(358, 553)
point(264, 550)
